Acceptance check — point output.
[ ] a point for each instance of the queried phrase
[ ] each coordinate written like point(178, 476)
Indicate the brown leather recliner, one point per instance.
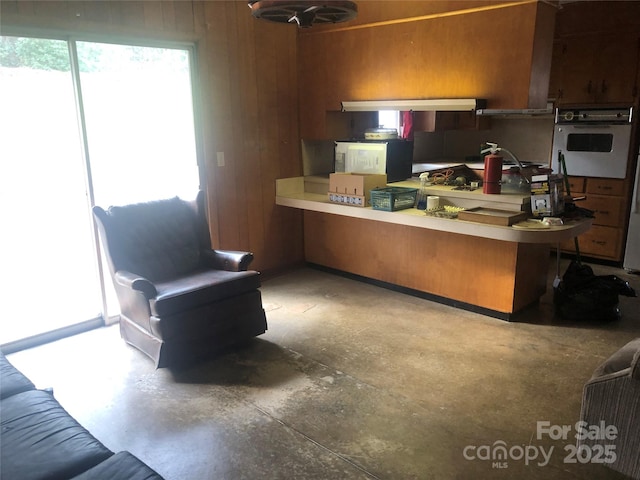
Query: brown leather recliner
point(179, 299)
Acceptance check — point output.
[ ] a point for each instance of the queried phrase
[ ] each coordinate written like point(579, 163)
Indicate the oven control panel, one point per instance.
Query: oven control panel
point(594, 115)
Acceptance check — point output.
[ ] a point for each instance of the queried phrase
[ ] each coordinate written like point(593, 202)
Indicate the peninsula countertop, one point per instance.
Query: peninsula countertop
point(291, 192)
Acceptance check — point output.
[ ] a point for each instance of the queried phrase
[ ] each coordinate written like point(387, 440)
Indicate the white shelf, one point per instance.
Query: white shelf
point(290, 193)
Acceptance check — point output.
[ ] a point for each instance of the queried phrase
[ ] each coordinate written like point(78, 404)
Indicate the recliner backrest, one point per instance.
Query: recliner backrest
point(158, 240)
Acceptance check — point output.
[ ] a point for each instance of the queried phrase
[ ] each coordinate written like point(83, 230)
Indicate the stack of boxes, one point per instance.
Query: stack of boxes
point(547, 195)
point(354, 188)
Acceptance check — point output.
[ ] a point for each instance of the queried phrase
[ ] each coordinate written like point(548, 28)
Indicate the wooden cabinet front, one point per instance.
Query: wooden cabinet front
point(596, 53)
point(599, 241)
point(598, 69)
point(499, 276)
point(605, 186)
point(577, 185)
point(606, 198)
point(607, 209)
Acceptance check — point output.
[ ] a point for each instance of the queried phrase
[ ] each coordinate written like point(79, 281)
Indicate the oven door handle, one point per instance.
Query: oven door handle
point(595, 128)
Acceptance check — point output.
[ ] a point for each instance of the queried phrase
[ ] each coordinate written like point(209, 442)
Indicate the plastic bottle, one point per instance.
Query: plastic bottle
point(421, 202)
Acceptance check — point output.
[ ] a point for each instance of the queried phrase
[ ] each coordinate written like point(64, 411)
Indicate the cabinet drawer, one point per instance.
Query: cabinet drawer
point(598, 241)
point(605, 186)
point(577, 185)
point(607, 209)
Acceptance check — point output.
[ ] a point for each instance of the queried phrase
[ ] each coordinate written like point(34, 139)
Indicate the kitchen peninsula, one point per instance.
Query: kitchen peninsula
point(491, 269)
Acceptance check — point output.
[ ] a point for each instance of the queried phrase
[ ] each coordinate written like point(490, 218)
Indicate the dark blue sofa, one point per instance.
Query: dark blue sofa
point(41, 441)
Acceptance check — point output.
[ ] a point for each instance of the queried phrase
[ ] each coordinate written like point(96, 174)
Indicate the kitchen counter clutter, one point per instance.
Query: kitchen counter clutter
point(491, 269)
point(310, 193)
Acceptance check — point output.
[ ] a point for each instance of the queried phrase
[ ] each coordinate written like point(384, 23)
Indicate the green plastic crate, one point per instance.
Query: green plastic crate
point(391, 199)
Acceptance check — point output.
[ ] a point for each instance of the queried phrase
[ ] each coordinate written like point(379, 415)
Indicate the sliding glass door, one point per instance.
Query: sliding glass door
point(49, 275)
point(81, 123)
point(139, 121)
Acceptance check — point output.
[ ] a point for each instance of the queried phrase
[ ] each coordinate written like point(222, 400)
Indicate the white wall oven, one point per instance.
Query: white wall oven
point(595, 142)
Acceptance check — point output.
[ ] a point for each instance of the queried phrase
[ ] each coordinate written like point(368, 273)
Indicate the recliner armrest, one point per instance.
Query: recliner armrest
point(635, 366)
point(136, 282)
point(230, 260)
point(625, 361)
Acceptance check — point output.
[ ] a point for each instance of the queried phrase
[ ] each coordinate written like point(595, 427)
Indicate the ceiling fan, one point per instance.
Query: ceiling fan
point(304, 13)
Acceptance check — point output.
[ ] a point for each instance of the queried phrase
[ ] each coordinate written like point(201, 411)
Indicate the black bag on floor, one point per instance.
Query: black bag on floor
point(581, 295)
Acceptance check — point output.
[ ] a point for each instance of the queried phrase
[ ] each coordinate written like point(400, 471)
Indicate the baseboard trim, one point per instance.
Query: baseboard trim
point(416, 293)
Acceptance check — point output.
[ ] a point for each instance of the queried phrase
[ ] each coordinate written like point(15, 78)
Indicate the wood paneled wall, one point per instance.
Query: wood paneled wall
point(253, 118)
point(499, 51)
point(247, 101)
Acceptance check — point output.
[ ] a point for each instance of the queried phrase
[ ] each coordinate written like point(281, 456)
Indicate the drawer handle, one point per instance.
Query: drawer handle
point(604, 212)
point(599, 242)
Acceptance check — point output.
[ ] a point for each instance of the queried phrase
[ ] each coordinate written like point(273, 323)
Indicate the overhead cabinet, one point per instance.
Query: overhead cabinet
point(596, 69)
point(461, 53)
point(596, 53)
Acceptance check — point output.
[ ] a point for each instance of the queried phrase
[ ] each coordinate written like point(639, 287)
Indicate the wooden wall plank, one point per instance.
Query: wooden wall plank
point(95, 11)
point(288, 153)
point(153, 16)
point(9, 7)
point(384, 11)
point(247, 134)
point(270, 51)
point(55, 9)
point(168, 15)
point(224, 194)
point(215, 89)
point(25, 7)
point(133, 13)
point(199, 19)
point(183, 14)
point(247, 103)
point(265, 52)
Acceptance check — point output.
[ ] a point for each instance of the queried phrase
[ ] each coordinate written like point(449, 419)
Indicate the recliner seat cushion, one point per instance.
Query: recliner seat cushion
point(205, 287)
point(40, 440)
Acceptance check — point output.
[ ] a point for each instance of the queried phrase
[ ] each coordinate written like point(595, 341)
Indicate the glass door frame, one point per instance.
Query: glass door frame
point(104, 319)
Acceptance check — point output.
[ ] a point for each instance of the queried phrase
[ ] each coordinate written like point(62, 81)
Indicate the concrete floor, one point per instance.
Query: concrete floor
point(351, 381)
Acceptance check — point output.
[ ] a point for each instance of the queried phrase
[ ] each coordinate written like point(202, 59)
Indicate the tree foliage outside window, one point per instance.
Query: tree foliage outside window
point(34, 53)
point(46, 54)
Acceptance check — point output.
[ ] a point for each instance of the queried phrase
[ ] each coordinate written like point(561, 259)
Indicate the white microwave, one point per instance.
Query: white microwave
point(393, 157)
point(594, 142)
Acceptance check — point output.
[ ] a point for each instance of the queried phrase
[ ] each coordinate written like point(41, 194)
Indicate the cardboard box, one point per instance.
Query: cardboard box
point(353, 188)
point(547, 195)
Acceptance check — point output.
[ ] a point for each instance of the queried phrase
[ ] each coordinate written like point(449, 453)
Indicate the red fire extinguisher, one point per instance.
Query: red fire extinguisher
point(492, 173)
